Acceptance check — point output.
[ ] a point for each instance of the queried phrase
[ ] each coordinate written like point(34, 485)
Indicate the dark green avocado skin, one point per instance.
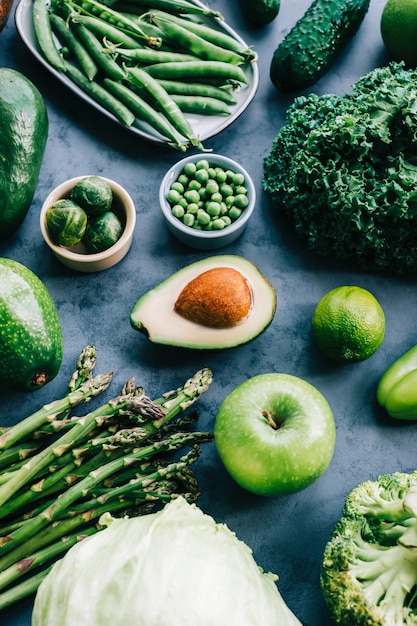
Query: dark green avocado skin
point(23, 137)
point(31, 342)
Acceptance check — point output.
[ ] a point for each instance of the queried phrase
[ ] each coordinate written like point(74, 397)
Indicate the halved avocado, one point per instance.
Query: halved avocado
point(155, 316)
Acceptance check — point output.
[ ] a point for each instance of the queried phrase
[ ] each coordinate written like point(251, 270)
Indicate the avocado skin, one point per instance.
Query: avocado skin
point(307, 52)
point(31, 342)
point(23, 137)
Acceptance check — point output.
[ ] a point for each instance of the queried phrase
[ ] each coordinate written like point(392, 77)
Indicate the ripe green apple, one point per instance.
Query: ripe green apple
point(275, 434)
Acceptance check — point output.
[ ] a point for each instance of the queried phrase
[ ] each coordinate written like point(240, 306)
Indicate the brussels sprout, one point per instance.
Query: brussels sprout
point(66, 222)
point(102, 231)
point(93, 194)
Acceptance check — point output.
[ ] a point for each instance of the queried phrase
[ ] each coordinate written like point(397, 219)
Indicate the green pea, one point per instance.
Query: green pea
point(193, 208)
point(203, 217)
point(189, 219)
point(189, 169)
point(177, 211)
point(212, 172)
point(218, 224)
point(235, 212)
point(213, 208)
point(241, 201)
point(208, 226)
point(177, 186)
point(229, 201)
point(238, 179)
point(226, 219)
point(217, 197)
point(197, 225)
point(221, 175)
point(194, 184)
point(226, 190)
point(183, 180)
point(202, 176)
point(212, 186)
point(229, 175)
point(203, 193)
point(192, 195)
point(202, 164)
point(173, 196)
point(182, 202)
point(223, 208)
point(241, 190)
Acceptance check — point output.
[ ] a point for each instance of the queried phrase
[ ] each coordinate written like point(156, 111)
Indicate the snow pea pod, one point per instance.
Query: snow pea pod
point(397, 388)
point(204, 70)
point(43, 33)
point(193, 42)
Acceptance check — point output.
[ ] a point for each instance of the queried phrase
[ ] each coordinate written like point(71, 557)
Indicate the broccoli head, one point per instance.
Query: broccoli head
point(369, 566)
point(344, 169)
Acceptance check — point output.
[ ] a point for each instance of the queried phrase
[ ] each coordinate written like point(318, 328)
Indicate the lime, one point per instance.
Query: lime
point(348, 324)
point(399, 30)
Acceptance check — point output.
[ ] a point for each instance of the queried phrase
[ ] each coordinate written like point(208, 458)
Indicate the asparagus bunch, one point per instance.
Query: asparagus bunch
point(61, 472)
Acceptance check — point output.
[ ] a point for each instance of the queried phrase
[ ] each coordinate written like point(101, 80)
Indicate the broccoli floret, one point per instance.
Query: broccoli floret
point(369, 566)
point(344, 169)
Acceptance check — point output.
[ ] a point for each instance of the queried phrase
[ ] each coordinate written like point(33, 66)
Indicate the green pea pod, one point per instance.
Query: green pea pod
point(400, 368)
point(401, 402)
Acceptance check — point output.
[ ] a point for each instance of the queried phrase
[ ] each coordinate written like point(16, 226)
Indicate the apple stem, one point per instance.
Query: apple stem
point(270, 419)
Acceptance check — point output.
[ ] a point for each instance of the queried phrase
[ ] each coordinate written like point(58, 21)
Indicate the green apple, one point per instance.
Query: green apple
point(275, 434)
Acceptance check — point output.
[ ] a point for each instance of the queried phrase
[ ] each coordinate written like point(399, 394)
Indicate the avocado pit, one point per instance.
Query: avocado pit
point(218, 298)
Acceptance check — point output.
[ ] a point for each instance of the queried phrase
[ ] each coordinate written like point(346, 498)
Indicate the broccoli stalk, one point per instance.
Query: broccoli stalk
point(369, 567)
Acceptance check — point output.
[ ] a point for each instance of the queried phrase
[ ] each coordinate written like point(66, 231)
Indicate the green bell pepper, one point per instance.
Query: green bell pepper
point(397, 387)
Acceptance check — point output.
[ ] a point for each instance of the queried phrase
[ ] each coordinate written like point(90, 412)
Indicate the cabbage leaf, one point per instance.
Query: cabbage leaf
point(175, 567)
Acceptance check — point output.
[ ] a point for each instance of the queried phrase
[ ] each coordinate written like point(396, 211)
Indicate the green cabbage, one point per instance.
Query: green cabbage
point(176, 567)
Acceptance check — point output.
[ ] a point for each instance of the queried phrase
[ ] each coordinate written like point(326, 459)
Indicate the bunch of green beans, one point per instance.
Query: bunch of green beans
point(148, 62)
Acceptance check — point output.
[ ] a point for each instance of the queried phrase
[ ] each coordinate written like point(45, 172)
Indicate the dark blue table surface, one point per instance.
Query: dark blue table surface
point(287, 534)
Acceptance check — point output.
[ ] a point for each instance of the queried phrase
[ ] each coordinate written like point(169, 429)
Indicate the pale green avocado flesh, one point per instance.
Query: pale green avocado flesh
point(154, 314)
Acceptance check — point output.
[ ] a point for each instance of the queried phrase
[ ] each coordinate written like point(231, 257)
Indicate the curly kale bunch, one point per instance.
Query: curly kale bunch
point(369, 566)
point(344, 168)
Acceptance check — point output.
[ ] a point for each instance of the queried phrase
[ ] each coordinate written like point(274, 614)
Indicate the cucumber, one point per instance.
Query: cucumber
point(260, 12)
point(307, 52)
point(31, 341)
point(23, 136)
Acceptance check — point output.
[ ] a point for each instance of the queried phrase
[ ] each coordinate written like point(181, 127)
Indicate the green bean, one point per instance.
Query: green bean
point(172, 6)
point(197, 89)
point(107, 30)
point(101, 95)
point(197, 69)
point(193, 42)
point(144, 111)
point(65, 35)
point(149, 55)
point(202, 105)
point(44, 37)
point(170, 109)
point(108, 65)
point(218, 37)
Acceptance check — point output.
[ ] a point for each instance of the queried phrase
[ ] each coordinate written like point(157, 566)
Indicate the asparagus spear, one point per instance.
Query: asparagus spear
point(110, 460)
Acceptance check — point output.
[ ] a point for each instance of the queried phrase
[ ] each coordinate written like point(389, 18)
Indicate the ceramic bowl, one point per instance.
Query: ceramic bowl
point(77, 257)
point(201, 239)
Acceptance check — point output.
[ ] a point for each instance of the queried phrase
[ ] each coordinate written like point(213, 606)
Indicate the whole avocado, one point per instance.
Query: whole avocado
point(23, 137)
point(31, 343)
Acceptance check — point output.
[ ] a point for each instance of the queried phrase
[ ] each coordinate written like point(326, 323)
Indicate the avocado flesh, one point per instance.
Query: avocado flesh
point(154, 314)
